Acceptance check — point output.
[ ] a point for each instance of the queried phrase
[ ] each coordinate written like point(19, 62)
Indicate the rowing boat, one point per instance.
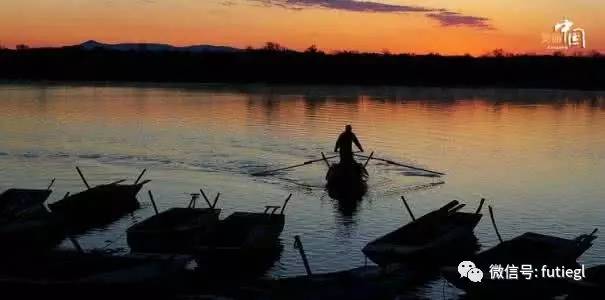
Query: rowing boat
point(432, 237)
point(347, 181)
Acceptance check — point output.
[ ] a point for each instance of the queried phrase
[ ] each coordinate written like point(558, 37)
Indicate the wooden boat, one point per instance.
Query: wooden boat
point(25, 224)
point(177, 230)
point(74, 275)
point(347, 181)
point(538, 250)
point(99, 204)
point(433, 237)
point(247, 233)
point(17, 203)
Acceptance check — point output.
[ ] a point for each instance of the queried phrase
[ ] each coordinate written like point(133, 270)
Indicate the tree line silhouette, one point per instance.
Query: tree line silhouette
point(276, 64)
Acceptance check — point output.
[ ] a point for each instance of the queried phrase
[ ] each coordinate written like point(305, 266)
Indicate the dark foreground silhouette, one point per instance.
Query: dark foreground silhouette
point(278, 65)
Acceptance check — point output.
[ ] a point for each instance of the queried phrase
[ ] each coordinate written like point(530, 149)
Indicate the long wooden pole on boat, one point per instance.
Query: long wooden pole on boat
point(51, 184)
point(400, 164)
point(205, 198)
point(491, 215)
point(480, 206)
point(140, 175)
point(283, 207)
point(82, 176)
point(408, 208)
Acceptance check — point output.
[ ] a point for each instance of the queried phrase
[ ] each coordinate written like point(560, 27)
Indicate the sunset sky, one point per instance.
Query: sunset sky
point(443, 26)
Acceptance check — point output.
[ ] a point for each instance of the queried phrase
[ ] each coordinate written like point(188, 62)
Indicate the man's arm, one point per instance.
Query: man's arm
point(356, 141)
point(337, 143)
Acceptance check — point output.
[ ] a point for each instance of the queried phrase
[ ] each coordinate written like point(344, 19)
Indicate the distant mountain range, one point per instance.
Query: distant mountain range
point(150, 47)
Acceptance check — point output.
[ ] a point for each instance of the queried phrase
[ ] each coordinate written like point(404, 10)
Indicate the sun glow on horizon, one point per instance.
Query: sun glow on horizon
point(437, 26)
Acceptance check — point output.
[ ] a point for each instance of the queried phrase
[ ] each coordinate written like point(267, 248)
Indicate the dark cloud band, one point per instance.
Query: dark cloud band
point(444, 17)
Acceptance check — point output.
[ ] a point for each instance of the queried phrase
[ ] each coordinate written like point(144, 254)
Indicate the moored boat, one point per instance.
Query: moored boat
point(18, 203)
point(176, 230)
point(537, 251)
point(247, 233)
point(437, 236)
point(99, 204)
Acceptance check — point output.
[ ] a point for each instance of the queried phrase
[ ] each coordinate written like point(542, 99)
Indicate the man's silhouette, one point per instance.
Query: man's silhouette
point(345, 145)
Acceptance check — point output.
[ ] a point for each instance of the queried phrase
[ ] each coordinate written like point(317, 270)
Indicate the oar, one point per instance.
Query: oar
point(294, 166)
point(399, 164)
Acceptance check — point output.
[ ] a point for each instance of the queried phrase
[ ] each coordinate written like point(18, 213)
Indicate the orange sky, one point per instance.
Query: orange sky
point(515, 25)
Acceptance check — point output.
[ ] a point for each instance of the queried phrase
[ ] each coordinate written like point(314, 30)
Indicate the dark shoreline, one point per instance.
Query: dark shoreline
point(73, 64)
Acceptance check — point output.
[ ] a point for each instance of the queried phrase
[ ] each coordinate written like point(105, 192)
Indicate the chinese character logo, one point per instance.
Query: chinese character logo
point(469, 270)
point(565, 36)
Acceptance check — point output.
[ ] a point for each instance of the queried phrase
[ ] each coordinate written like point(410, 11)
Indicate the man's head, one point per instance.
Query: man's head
point(348, 128)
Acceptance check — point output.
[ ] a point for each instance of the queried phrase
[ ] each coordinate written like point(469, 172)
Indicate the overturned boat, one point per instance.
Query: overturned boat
point(100, 204)
point(176, 230)
point(435, 237)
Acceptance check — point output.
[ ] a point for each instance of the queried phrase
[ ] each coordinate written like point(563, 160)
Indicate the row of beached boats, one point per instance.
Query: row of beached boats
point(166, 244)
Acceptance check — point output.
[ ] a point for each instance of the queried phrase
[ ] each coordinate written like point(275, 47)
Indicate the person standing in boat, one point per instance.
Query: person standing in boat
point(345, 145)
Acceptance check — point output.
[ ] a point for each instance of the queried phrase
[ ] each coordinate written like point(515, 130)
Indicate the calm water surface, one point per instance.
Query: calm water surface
point(537, 156)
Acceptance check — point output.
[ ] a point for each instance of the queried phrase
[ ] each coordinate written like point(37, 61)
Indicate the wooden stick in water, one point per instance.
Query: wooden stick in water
point(82, 176)
point(491, 214)
point(408, 208)
point(298, 245)
point(155, 208)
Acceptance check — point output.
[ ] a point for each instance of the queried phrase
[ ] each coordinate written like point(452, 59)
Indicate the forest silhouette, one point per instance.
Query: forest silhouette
point(276, 64)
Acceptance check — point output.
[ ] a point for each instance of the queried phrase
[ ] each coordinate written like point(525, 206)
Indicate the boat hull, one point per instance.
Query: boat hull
point(419, 242)
point(18, 203)
point(534, 249)
point(347, 182)
point(177, 230)
point(98, 205)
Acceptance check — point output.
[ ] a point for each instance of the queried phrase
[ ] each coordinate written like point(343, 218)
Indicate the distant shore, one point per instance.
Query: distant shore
point(291, 67)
